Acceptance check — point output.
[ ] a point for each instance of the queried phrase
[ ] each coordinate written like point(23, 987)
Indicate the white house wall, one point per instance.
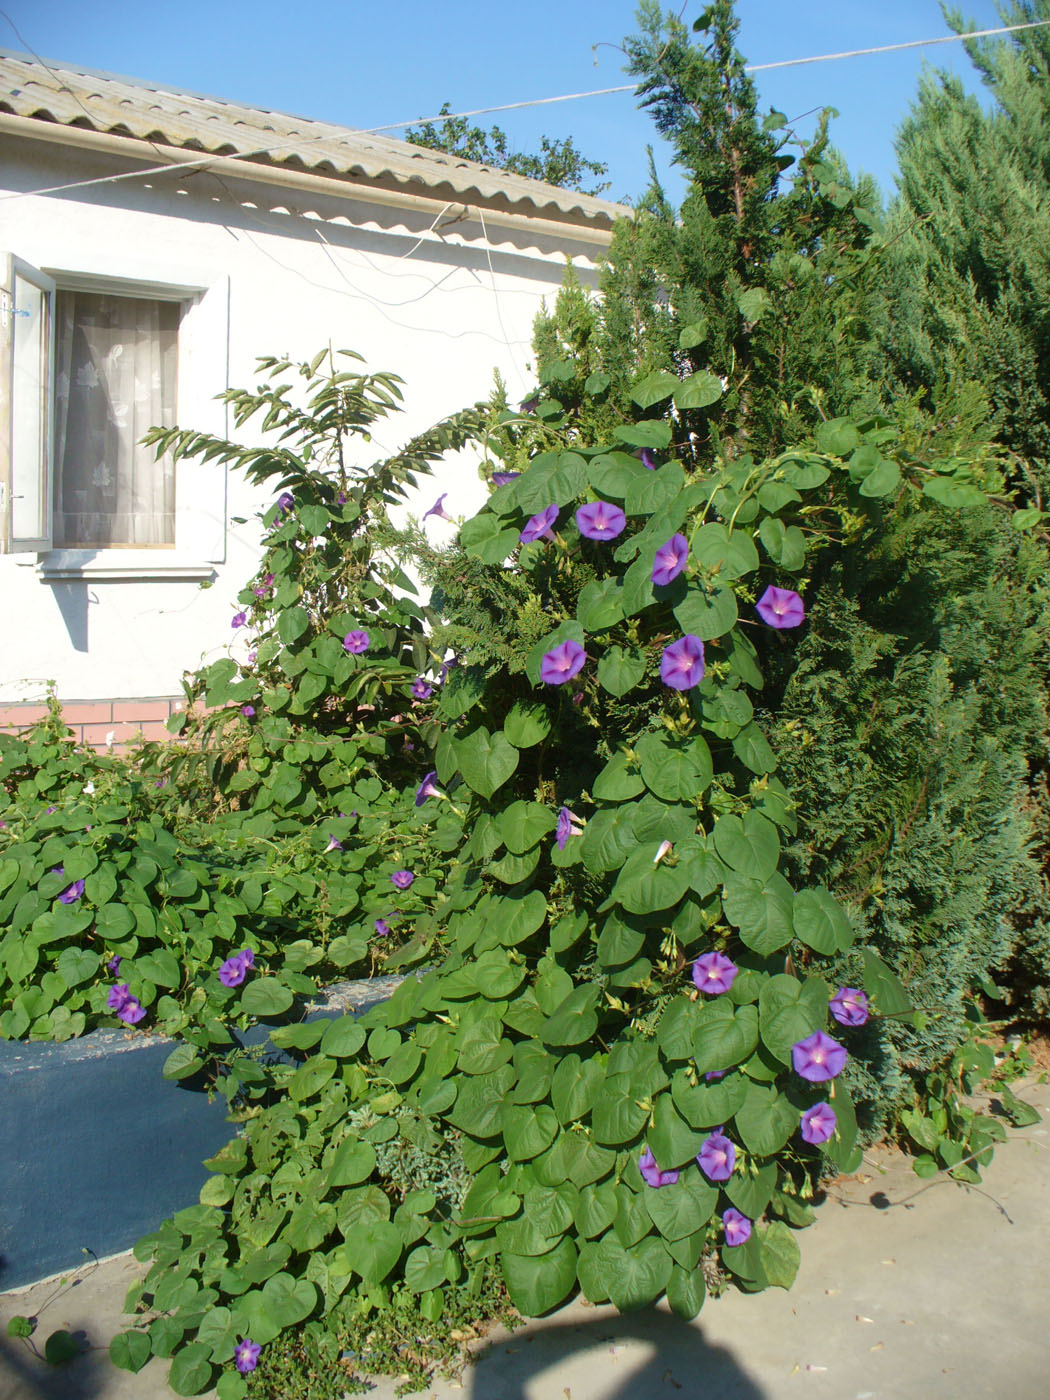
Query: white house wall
point(443, 312)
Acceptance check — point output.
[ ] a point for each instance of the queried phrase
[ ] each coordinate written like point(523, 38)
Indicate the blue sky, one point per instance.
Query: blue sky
point(361, 64)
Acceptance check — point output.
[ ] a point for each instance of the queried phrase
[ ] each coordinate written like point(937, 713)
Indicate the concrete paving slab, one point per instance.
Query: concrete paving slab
point(907, 1291)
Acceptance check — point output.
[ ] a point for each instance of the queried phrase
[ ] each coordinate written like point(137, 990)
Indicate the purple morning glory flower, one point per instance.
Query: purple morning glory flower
point(562, 662)
point(504, 478)
point(333, 845)
point(340, 500)
point(818, 1057)
point(647, 459)
point(239, 620)
point(736, 1226)
point(446, 666)
point(57, 870)
point(539, 525)
point(402, 879)
point(113, 965)
point(818, 1123)
point(714, 973)
point(849, 1006)
point(780, 608)
point(670, 560)
point(235, 969)
point(682, 664)
point(598, 520)
point(248, 711)
point(49, 810)
point(422, 689)
point(132, 1011)
point(356, 642)
point(651, 1172)
point(285, 501)
point(72, 894)
point(715, 1074)
point(117, 996)
point(717, 1157)
point(246, 1355)
point(263, 588)
point(438, 509)
point(427, 788)
point(568, 825)
point(382, 927)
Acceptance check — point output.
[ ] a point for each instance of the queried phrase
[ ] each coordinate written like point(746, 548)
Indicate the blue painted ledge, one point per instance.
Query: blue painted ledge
point(97, 1147)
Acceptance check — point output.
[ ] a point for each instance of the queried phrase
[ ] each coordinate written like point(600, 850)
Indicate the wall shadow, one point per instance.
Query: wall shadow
point(600, 1354)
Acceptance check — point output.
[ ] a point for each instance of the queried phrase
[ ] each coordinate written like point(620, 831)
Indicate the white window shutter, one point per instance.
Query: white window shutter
point(27, 369)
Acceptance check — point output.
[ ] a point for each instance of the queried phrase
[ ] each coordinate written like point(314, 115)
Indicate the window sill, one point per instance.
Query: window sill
point(132, 566)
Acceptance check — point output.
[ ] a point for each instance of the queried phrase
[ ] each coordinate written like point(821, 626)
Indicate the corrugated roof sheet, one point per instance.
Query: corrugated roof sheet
point(127, 107)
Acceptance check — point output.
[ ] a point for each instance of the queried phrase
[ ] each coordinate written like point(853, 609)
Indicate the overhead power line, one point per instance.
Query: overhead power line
point(749, 68)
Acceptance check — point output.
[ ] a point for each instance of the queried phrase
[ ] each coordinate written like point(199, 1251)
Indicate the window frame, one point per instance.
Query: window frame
point(11, 269)
point(202, 375)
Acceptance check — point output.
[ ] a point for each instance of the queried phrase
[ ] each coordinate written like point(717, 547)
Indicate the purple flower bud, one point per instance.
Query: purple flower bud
point(427, 788)
point(333, 845)
point(818, 1124)
point(529, 405)
point(647, 459)
point(849, 1007)
point(568, 825)
point(780, 608)
point(714, 973)
point(57, 870)
point(340, 500)
point(438, 509)
point(562, 662)
point(248, 711)
point(671, 558)
point(285, 501)
point(504, 478)
point(715, 1074)
point(246, 1355)
point(382, 927)
point(717, 1157)
point(600, 521)
point(113, 965)
point(356, 642)
point(402, 879)
point(239, 620)
point(652, 1174)
point(682, 664)
point(72, 894)
point(539, 525)
point(818, 1057)
point(736, 1226)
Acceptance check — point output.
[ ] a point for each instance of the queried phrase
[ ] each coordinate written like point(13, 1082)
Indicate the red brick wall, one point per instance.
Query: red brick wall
point(94, 721)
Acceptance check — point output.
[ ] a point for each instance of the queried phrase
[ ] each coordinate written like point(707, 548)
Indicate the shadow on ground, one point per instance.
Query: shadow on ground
point(24, 1376)
point(596, 1354)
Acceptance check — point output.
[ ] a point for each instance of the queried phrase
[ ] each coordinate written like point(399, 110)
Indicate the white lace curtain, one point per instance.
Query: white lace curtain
point(114, 378)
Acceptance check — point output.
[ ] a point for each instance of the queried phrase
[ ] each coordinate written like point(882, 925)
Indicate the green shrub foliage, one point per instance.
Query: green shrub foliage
point(617, 829)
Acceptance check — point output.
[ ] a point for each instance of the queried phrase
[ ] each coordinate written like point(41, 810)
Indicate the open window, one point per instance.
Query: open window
point(89, 364)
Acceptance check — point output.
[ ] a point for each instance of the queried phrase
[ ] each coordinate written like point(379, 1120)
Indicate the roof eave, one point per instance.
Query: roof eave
point(597, 232)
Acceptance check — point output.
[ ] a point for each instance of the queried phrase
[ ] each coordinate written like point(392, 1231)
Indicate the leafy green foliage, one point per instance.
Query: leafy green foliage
point(558, 161)
point(494, 1109)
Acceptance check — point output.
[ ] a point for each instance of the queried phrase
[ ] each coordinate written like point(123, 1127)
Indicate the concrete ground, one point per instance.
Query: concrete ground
point(907, 1291)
